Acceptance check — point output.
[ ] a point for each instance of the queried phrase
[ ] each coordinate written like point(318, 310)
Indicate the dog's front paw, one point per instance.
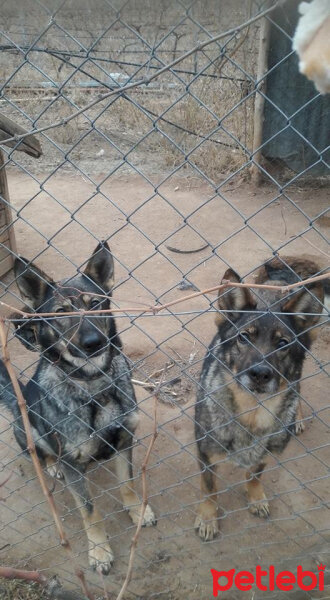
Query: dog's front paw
point(206, 529)
point(149, 518)
point(54, 471)
point(260, 508)
point(100, 557)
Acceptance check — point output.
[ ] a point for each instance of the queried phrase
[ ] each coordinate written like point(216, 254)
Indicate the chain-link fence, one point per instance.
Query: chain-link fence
point(188, 156)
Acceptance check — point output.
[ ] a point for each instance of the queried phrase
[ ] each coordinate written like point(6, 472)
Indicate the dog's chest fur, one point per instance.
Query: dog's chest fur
point(230, 420)
point(88, 414)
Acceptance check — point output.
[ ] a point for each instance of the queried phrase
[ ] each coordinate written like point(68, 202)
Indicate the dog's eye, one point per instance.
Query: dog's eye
point(61, 309)
point(244, 337)
point(282, 343)
point(94, 303)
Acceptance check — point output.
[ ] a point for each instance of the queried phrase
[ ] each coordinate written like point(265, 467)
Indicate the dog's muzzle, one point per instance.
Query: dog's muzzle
point(259, 379)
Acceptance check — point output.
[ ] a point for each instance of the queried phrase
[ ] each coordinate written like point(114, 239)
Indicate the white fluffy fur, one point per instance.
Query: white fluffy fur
point(312, 43)
point(313, 14)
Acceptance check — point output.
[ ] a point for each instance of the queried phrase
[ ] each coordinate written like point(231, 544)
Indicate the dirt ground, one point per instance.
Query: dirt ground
point(61, 225)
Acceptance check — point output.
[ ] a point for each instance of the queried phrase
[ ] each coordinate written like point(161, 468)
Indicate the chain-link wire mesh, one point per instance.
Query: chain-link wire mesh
point(161, 171)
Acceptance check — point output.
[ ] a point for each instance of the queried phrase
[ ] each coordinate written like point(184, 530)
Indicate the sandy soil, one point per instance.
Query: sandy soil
point(61, 224)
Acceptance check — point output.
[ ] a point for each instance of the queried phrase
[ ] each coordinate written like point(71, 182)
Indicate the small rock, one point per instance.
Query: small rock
point(187, 285)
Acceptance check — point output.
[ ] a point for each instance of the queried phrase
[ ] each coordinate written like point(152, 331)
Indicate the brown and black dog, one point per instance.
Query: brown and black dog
point(248, 400)
point(81, 401)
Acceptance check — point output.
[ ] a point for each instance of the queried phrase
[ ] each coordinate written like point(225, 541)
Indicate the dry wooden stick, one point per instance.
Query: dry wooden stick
point(158, 308)
point(160, 371)
point(225, 284)
point(11, 573)
point(10, 128)
point(144, 500)
point(259, 103)
point(105, 591)
point(149, 385)
point(35, 459)
point(3, 483)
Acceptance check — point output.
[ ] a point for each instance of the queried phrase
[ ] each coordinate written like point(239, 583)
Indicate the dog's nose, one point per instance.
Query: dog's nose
point(92, 342)
point(260, 373)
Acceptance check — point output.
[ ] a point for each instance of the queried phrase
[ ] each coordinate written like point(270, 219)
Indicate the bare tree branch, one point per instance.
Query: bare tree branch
point(11, 573)
point(144, 500)
point(158, 308)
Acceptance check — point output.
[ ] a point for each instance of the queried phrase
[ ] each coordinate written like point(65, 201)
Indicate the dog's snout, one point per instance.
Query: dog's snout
point(92, 342)
point(260, 373)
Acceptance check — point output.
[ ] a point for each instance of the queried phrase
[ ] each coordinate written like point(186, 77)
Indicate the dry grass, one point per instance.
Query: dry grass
point(210, 107)
point(18, 590)
point(122, 122)
point(206, 102)
point(208, 111)
point(210, 103)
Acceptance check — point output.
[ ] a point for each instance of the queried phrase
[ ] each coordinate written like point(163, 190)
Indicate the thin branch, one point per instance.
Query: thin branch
point(4, 483)
point(35, 459)
point(146, 80)
point(239, 43)
point(144, 500)
point(149, 385)
point(105, 591)
point(11, 573)
point(158, 308)
point(158, 372)
point(226, 284)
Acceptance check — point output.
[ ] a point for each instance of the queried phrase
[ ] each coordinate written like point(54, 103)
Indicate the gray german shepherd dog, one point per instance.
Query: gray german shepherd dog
point(81, 402)
point(248, 399)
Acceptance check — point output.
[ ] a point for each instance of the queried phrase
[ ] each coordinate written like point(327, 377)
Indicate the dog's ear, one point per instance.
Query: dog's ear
point(33, 283)
point(234, 299)
point(100, 267)
point(26, 330)
point(303, 303)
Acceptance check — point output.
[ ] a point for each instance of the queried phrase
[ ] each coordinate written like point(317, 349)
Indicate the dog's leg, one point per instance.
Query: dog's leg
point(206, 522)
point(99, 554)
point(130, 498)
point(258, 504)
